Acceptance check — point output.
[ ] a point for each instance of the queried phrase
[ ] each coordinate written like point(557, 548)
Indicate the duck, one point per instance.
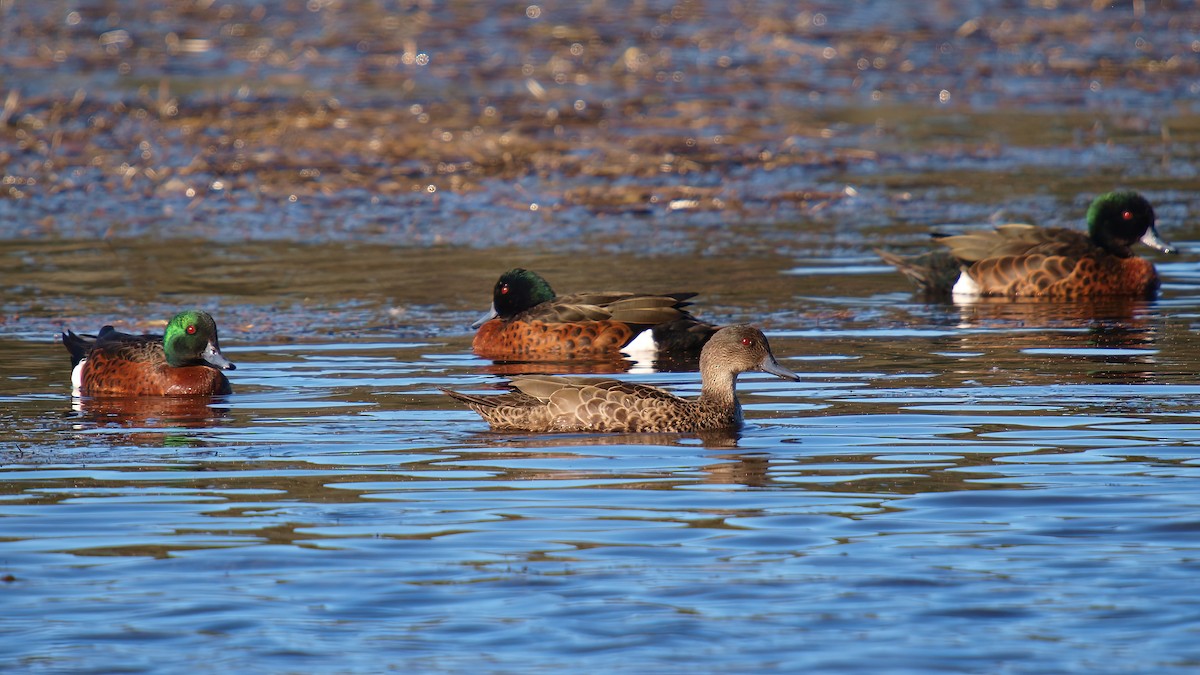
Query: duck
point(1020, 260)
point(579, 404)
point(528, 321)
point(185, 360)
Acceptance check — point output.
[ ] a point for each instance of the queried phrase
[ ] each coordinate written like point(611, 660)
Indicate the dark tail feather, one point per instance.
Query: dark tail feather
point(683, 335)
point(78, 346)
point(934, 273)
point(484, 401)
point(682, 298)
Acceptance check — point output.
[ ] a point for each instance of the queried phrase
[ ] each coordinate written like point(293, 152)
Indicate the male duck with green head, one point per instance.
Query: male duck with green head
point(1018, 260)
point(185, 361)
point(528, 321)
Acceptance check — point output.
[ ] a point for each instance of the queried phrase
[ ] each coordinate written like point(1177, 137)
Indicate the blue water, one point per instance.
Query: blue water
point(925, 499)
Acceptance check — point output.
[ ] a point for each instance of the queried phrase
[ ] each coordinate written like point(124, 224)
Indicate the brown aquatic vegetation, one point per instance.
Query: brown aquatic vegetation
point(651, 111)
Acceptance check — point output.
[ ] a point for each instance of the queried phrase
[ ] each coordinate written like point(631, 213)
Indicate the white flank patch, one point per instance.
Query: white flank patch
point(965, 287)
point(77, 377)
point(642, 346)
point(642, 350)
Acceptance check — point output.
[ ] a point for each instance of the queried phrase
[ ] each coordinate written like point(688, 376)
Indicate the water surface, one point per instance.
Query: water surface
point(1002, 487)
point(1008, 486)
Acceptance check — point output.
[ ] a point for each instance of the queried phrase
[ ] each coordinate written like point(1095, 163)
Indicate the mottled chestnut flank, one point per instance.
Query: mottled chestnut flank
point(504, 339)
point(566, 404)
point(185, 361)
point(1018, 260)
point(527, 320)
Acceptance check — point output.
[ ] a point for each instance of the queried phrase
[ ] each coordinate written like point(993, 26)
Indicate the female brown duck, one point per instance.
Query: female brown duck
point(547, 404)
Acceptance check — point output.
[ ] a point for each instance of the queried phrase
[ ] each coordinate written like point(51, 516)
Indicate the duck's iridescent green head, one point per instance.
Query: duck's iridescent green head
point(1118, 220)
point(191, 340)
point(516, 291)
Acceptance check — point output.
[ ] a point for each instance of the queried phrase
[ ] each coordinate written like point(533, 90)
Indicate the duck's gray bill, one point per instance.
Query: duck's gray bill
point(214, 357)
point(487, 316)
point(770, 365)
point(1156, 242)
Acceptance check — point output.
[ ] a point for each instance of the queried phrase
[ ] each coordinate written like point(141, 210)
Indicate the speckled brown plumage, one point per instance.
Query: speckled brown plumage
point(1053, 262)
point(528, 321)
point(183, 362)
point(1018, 260)
point(500, 339)
point(566, 404)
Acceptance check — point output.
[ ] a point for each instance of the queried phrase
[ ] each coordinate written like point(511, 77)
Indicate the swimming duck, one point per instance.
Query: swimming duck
point(1018, 260)
point(576, 404)
point(185, 360)
point(527, 320)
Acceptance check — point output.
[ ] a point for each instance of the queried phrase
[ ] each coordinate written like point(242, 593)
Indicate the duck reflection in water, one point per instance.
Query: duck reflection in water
point(661, 363)
point(154, 421)
point(1101, 339)
point(712, 439)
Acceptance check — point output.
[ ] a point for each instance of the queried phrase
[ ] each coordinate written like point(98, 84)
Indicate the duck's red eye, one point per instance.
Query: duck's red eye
point(1128, 215)
point(747, 341)
point(191, 330)
point(504, 289)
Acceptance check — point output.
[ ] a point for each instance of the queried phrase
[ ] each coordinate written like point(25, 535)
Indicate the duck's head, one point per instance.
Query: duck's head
point(1118, 220)
point(191, 340)
point(516, 291)
point(739, 349)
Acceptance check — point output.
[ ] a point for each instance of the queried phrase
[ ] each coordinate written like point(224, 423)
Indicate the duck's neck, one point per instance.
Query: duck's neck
point(1106, 241)
point(718, 390)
